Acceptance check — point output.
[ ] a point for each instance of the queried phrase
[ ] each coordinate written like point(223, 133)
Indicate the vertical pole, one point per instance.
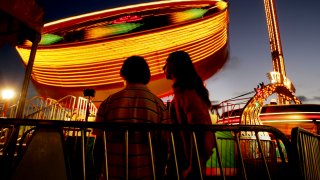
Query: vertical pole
point(262, 153)
point(218, 155)
point(127, 153)
point(88, 109)
point(10, 148)
point(83, 153)
point(243, 172)
point(27, 76)
point(197, 152)
point(105, 154)
point(151, 155)
point(175, 155)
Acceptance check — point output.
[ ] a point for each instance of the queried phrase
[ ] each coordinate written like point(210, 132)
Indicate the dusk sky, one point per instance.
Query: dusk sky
point(250, 57)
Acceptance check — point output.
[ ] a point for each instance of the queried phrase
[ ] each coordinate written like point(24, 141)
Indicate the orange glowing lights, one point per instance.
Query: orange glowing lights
point(95, 58)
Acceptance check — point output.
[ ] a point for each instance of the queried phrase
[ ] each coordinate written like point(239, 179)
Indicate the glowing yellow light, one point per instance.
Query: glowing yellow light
point(98, 32)
point(98, 62)
point(222, 5)
point(287, 121)
point(7, 94)
point(188, 15)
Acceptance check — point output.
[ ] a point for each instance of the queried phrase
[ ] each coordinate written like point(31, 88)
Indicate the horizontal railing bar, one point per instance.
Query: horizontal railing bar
point(143, 126)
point(137, 126)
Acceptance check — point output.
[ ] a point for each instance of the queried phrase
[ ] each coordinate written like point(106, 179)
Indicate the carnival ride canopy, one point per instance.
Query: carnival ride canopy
point(75, 52)
point(19, 20)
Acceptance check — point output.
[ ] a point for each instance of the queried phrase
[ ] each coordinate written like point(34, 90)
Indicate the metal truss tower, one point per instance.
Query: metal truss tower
point(279, 72)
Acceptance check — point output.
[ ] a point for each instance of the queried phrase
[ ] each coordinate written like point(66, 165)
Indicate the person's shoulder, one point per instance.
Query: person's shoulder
point(104, 103)
point(116, 95)
point(186, 92)
point(188, 96)
point(153, 97)
point(111, 98)
point(160, 102)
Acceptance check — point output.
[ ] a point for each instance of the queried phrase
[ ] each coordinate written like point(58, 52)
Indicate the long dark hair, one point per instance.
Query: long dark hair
point(180, 66)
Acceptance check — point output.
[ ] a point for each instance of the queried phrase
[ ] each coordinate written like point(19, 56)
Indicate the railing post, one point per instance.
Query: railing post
point(127, 153)
point(218, 155)
point(262, 153)
point(236, 137)
point(151, 154)
point(175, 155)
point(83, 152)
point(197, 152)
point(105, 154)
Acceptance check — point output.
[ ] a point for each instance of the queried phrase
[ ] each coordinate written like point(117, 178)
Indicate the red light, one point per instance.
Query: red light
point(129, 18)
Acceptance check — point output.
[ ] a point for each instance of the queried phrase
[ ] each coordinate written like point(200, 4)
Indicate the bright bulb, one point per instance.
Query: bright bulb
point(7, 94)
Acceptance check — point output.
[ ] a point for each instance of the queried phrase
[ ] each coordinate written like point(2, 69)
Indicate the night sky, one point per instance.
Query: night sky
point(250, 57)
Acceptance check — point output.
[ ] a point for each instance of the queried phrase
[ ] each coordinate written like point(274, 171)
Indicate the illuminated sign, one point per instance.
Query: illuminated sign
point(274, 77)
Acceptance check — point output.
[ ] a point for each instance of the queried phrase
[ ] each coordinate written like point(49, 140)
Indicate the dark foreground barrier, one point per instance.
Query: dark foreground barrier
point(306, 147)
point(64, 150)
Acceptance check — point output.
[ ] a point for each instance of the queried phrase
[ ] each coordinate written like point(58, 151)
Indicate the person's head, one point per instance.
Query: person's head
point(135, 70)
point(180, 68)
point(178, 65)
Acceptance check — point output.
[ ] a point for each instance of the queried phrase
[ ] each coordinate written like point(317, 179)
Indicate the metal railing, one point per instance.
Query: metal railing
point(306, 146)
point(69, 108)
point(232, 107)
point(232, 157)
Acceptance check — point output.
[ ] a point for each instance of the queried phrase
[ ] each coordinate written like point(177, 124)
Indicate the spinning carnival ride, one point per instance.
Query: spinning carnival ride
point(87, 51)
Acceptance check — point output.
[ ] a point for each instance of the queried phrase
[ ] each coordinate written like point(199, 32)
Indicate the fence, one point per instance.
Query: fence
point(307, 150)
point(47, 151)
point(68, 108)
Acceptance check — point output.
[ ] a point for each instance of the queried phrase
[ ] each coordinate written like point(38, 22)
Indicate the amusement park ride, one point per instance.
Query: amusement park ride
point(87, 50)
point(78, 50)
point(288, 111)
point(74, 56)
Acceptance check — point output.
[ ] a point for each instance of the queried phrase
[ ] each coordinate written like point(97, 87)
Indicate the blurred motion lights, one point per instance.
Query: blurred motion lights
point(87, 51)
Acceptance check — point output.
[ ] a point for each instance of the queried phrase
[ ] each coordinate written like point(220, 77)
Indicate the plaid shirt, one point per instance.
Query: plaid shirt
point(135, 103)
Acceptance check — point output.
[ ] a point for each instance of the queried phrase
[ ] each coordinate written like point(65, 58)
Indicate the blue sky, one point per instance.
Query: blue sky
point(250, 57)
